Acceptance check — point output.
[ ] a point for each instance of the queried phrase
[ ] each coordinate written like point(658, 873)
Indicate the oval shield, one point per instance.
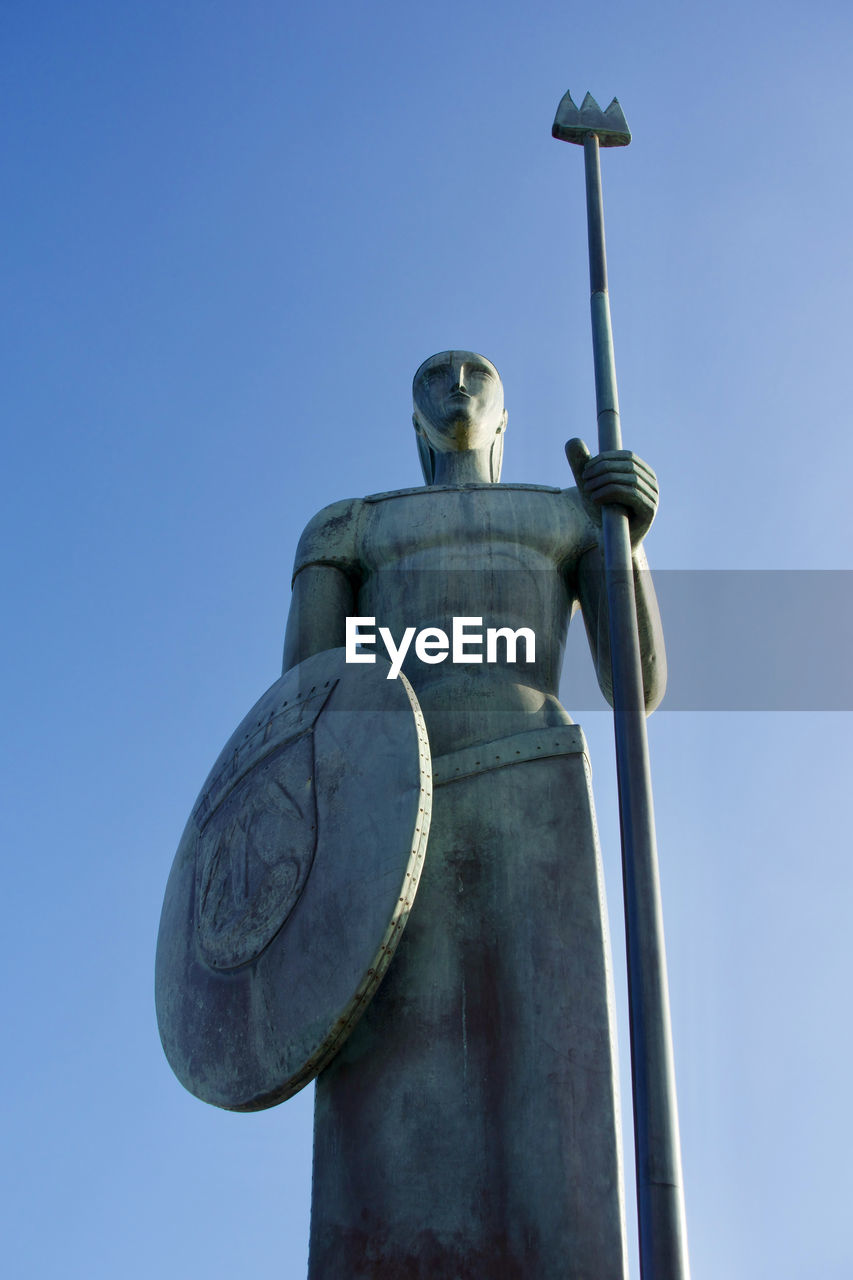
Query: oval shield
point(293, 881)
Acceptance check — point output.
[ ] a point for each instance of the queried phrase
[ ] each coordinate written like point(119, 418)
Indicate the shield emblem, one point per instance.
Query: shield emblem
point(254, 854)
point(293, 881)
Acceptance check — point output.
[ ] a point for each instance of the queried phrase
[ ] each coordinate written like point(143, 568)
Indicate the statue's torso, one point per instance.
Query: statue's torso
point(506, 554)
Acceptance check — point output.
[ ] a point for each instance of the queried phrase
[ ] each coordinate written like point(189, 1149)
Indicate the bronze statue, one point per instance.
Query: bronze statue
point(469, 1126)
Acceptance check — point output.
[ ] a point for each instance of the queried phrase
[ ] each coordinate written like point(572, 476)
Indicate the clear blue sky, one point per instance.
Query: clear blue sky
point(232, 233)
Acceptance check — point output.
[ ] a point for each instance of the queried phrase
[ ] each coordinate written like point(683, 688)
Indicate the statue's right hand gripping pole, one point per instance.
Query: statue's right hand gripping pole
point(660, 1197)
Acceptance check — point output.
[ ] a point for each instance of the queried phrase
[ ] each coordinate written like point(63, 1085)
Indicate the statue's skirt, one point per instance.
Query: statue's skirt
point(469, 1128)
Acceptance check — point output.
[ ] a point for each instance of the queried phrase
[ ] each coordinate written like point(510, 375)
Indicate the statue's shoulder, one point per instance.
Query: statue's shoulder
point(582, 534)
point(572, 501)
point(542, 505)
point(331, 536)
point(413, 491)
point(566, 504)
point(499, 491)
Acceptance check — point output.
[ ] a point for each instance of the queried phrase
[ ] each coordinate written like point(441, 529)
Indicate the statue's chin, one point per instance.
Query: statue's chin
point(463, 436)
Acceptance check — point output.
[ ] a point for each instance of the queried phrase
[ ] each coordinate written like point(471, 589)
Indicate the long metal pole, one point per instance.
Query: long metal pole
point(660, 1199)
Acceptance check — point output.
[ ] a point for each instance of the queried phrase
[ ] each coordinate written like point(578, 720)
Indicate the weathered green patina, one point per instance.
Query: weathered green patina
point(469, 1126)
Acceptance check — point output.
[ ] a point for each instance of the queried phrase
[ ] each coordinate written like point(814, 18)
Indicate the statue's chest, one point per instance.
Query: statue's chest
point(485, 528)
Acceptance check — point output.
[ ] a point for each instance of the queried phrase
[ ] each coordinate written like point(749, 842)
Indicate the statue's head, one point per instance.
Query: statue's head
point(459, 405)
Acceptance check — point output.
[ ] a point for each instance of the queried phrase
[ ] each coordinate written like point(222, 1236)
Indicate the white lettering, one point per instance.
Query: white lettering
point(511, 638)
point(354, 638)
point(396, 655)
point(431, 645)
point(460, 639)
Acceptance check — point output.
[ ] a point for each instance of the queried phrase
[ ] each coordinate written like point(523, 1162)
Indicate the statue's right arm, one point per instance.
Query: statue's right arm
point(325, 578)
point(322, 599)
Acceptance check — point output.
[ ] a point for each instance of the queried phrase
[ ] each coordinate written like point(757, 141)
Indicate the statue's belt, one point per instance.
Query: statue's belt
point(532, 744)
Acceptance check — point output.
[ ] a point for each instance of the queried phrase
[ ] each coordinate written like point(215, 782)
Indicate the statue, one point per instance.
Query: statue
point(469, 1125)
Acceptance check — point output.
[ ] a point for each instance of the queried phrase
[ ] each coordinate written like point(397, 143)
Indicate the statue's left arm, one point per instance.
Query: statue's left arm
point(619, 477)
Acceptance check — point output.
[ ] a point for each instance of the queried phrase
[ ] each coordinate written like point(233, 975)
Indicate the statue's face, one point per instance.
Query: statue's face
point(459, 401)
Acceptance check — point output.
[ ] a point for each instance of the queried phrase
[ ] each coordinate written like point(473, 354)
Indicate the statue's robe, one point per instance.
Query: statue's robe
point(469, 1128)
